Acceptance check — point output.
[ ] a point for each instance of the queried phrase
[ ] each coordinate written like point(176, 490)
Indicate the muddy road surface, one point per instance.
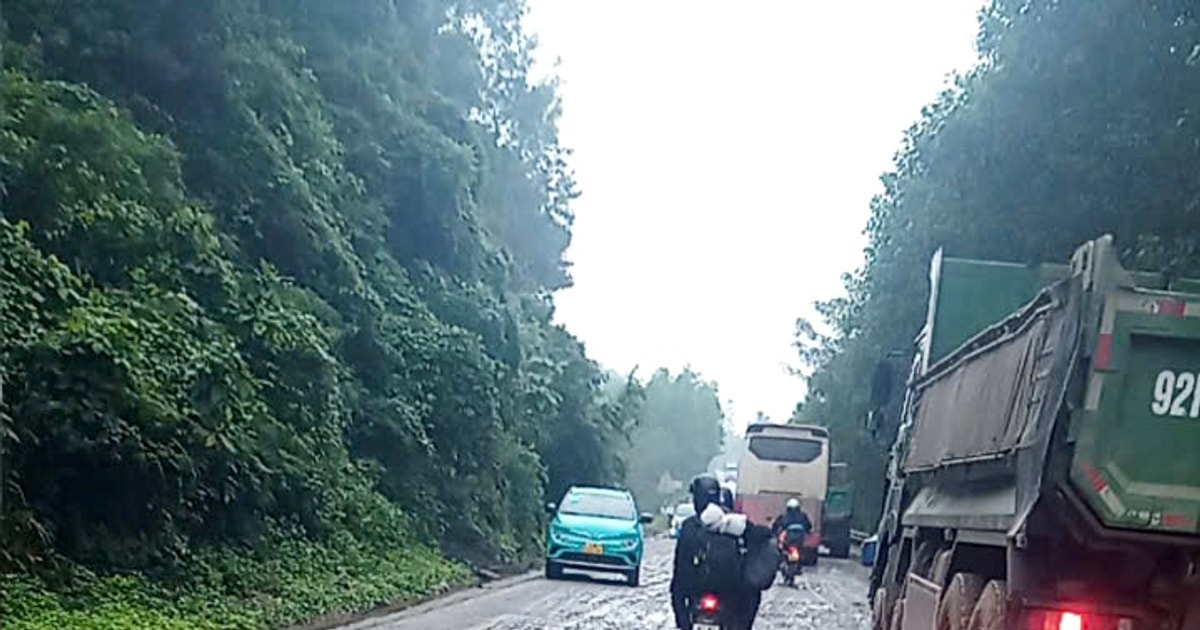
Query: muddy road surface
point(831, 596)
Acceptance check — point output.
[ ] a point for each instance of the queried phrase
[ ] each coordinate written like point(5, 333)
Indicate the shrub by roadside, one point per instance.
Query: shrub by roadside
point(292, 582)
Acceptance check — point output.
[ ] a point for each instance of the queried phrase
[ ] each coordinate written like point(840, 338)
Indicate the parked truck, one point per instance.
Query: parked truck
point(1046, 469)
point(839, 510)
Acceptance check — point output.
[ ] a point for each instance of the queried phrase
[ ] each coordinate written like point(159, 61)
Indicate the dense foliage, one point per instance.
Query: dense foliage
point(300, 581)
point(278, 273)
point(680, 431)
point(1080, 120)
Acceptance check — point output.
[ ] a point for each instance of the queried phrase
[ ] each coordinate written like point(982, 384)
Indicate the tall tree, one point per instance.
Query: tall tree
point(292, 262)
point(680, 431)
point(1078, 121)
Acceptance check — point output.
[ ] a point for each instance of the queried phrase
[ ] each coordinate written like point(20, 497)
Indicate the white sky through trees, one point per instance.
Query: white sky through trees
point(727, 153)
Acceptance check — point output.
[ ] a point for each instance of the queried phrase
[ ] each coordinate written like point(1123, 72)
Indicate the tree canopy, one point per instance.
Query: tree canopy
point(680, 430)
point(1078, 121)
point(282, 270)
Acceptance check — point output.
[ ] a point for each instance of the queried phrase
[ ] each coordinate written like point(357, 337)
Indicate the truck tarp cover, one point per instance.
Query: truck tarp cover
point(990, 390)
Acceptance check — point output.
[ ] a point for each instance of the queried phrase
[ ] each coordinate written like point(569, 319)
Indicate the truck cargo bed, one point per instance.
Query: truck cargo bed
point(983, 401)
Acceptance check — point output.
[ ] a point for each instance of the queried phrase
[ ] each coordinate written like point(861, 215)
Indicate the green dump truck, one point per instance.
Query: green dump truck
point(1046, 468)
point(839, 510)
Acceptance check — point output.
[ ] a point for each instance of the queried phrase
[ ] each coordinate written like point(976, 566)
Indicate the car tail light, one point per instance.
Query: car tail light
point(710, 604)
point(1041, 619)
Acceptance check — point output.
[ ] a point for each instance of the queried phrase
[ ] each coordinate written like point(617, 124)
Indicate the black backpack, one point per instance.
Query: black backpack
point(718, 563)
point(762, 561)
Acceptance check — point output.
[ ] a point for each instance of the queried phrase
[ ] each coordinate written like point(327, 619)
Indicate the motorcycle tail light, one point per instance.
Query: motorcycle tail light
point(710, 604)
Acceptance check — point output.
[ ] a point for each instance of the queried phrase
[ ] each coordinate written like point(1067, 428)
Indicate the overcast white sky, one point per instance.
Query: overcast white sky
point(727, 153)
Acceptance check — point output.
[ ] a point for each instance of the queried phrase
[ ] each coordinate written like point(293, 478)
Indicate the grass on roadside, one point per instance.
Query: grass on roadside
point(293, 582)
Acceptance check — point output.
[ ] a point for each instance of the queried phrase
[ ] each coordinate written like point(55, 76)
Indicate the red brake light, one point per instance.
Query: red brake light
point(1043, 619)
point(709, 603)
point(1056, 620)
point(1070, 621)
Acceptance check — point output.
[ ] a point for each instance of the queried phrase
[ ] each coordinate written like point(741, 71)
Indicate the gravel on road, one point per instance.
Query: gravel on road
point(830, 596)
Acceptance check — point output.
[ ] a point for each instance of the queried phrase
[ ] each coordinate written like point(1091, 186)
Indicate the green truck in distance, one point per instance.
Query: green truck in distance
point(839, 504)
point(1046, 468)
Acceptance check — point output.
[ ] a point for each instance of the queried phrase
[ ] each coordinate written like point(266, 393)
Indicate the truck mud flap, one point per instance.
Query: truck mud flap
point(920, 603)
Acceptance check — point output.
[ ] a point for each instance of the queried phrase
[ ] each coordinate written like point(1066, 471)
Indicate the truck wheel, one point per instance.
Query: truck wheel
point(922, 560)
point(553, 570)
point(840, 549)
point(897, 615)
point(880, 619)
point(989, 610)
point(958, 601)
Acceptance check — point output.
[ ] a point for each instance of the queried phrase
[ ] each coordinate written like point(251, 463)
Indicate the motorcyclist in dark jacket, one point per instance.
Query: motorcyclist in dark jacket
point(742, 606)
point(792, 515)
point(753, 595)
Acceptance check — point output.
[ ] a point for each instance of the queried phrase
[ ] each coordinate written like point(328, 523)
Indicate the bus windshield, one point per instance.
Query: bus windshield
point(780, 449)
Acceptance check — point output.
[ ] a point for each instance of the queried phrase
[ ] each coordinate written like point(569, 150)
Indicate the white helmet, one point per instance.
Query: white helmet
point(792, 503)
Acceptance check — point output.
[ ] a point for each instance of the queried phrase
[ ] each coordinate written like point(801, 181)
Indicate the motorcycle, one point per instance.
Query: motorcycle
point(791, 565)
point(707, 613)
point(790, 542)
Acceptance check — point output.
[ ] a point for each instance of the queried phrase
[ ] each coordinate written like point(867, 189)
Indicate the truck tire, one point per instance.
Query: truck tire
point(939, 572)
point(881, 618)
point(897, 622)
point(958, 601)
point(553, 570)
point(989, 610)
point(923, 557)
point(839, 549)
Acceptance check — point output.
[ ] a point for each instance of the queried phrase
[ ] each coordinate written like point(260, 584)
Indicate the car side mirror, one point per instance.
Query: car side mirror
point(551, 508)
point(646, 518)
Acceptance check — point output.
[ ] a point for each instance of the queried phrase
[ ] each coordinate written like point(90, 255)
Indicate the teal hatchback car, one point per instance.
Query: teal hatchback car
point(596, 529)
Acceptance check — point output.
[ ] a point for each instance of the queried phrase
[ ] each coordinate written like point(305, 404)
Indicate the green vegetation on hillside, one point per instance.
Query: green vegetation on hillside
point(1080, 120)
point(680, 431)
point(275, 308)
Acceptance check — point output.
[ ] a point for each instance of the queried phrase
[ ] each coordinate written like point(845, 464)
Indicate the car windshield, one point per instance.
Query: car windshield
point(605, 506)
point(685, 510)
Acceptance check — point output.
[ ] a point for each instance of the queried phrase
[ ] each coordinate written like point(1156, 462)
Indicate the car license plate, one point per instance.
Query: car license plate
point(705, 626)
point(595, 549)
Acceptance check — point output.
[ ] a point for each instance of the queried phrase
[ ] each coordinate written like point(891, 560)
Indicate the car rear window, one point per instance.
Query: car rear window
point(777, 449)
point(604, 506)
